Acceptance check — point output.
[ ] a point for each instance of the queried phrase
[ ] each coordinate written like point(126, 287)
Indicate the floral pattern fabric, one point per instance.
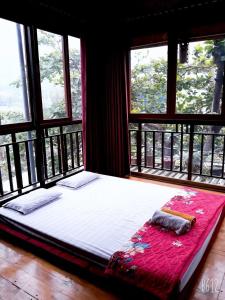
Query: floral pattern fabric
point(155, 259)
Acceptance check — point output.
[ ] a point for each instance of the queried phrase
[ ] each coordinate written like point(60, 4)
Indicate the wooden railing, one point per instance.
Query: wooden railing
point(62, 153)
point(37, 161)
point(16, 167)
point(182, 152)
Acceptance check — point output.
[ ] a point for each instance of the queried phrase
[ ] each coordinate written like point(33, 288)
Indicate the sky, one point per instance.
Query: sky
point(157, 53)
point(148, 54)
point(9, 59)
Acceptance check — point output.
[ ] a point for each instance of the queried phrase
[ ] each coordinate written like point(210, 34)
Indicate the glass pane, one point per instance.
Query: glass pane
point(14, 101)
point(52, 75)
point(75, 76)
point(149, 80)
point(200, 77)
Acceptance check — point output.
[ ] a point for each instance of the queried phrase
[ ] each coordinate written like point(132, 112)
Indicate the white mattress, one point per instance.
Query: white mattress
point(101, 216)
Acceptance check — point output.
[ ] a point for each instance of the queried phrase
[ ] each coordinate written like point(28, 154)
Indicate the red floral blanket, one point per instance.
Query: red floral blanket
point(155, 259)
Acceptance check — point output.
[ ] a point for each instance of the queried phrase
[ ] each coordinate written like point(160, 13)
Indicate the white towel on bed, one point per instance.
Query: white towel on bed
point(175, 223)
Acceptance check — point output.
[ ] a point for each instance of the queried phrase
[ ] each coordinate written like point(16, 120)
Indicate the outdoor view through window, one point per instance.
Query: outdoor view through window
point(192, 150)
point(75, 76)
point(14, 96)
point(199, 79)
point(52, 75)
point(14, 102)
point(149, 80)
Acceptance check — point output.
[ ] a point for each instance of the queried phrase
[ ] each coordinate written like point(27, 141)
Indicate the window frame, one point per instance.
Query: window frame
point(34, 84)
point(171, 115)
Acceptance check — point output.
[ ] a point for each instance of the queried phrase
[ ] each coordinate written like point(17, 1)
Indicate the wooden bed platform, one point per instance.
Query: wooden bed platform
point(27, 276)
point(24, 275)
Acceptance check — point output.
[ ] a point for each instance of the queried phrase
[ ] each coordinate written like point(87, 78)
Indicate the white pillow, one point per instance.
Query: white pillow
point(78, 180)
point(33, 200)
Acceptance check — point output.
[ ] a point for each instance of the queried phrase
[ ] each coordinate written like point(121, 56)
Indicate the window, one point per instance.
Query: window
point(200, 68)
point(52, 75)
point(53, 138)
point(149, 80)
point(14, 97)
point(75, 76)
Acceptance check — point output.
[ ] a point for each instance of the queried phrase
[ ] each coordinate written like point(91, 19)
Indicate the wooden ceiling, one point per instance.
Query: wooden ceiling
point(83, 14)
point(85, 11)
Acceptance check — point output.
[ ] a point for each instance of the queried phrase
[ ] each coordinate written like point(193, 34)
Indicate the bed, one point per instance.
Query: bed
point(96, 220)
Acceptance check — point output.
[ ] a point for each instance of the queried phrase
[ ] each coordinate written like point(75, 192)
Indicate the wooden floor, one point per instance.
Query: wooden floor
point(25, 276)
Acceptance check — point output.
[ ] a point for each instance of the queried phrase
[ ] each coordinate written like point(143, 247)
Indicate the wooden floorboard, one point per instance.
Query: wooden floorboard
point(9, 290)
point(25, 276)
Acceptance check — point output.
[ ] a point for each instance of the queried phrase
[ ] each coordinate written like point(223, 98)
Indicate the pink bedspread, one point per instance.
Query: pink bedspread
point(155, 259)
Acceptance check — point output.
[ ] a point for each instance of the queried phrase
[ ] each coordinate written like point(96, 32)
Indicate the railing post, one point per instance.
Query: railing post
point(190, 158)
point(63, 151)
point(17, 162)
point(39, 151)
point(9, 167)
point(139, 141)
point(78, 149)
point(1, 185)
point(82, 147)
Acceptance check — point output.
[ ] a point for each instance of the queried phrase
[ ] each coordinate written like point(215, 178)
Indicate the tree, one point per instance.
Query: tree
point(51, 70)
point(199, 82)
point(148, 86)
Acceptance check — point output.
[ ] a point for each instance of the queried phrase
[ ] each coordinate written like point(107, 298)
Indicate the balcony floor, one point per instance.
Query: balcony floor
point(180, 176)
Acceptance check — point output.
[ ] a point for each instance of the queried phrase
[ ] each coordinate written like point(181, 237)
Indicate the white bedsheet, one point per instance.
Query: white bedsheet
point(99, 217)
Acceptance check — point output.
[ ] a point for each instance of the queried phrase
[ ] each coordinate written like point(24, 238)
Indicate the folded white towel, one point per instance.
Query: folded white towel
point(172, 222)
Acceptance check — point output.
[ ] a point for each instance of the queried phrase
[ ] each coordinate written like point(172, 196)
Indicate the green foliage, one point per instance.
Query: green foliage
point(75, 80)
point(57, 110)
point(149, 88)
point(10, 116)
point(195, 81)
point(51, 69)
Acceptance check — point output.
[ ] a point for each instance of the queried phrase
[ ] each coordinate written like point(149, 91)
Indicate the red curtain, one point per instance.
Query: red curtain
point(105, 105)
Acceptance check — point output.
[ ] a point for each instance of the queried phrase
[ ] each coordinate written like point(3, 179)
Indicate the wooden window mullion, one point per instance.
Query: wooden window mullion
point(66, 72)
point(34, 72)
point(171, 74)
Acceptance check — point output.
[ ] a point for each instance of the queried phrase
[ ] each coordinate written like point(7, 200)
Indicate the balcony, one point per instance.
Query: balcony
point(181, 152)
point(28, 161)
